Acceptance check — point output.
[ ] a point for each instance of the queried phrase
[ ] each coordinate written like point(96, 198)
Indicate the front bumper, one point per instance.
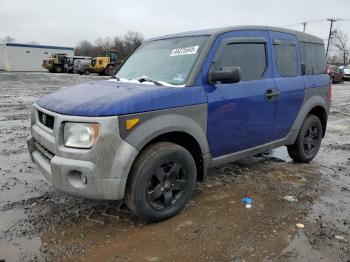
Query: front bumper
point(97, 173)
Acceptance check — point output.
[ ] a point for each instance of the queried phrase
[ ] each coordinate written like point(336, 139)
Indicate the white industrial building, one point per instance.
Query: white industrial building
point(26, 57)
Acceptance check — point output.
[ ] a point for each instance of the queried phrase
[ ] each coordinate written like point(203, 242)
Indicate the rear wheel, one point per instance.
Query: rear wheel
point(161, 181)
point(308, 141)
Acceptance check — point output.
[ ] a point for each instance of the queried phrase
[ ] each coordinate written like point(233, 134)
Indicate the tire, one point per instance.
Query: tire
point(58, 69)
point(87, 72)
point(308, 141)
point(109, 70)
point(161, 182)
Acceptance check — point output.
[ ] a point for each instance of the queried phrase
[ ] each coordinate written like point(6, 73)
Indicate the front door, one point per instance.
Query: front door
point(241, 115)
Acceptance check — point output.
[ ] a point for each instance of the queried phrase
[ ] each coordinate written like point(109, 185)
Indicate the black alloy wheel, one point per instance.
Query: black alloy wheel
point(308, 142)
point(166, 185)
point(161, 181)
point(311, 140)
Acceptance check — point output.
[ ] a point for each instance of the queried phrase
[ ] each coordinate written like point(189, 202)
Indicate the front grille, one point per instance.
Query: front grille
point(46, 119)
point(43, 150)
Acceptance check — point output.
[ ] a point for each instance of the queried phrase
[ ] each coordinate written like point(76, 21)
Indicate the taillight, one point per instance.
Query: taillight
point(328, 71)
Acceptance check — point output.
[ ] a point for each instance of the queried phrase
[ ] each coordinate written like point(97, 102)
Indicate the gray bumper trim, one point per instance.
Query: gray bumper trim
point(59, 169)
point(97, 173)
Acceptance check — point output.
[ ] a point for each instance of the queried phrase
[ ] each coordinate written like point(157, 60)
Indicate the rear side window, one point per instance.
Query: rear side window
point(286, 58)
point(314, 58)
point(250, 57)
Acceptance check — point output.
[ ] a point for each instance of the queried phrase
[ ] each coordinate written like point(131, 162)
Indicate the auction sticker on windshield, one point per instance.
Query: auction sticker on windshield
point(190, 50)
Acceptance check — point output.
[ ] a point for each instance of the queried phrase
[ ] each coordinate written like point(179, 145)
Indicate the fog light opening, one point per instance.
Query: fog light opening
point(83, 179)
point(77, 179)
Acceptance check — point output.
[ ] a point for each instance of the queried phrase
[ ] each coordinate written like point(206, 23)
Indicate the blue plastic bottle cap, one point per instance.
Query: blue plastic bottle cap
point(247, 200)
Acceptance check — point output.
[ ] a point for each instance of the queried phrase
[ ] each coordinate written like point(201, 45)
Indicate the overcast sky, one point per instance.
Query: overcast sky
point(65, 22)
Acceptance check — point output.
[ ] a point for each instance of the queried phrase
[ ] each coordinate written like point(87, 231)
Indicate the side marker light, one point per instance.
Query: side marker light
point(130, 123)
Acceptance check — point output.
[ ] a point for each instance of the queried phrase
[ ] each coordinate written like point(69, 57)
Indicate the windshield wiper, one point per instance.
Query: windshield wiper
point(146, 79)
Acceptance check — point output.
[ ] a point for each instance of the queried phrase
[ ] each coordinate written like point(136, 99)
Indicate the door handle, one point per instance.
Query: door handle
point(270, 94)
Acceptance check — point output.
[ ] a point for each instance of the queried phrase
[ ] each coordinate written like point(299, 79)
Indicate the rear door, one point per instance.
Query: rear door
point(290, 85)
point(240, 115)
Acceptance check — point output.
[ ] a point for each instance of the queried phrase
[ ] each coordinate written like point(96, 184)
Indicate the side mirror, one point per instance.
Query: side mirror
point(226, 75)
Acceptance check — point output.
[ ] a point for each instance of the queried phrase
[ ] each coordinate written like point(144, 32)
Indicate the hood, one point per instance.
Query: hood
point(346, 70)
point(108, 98)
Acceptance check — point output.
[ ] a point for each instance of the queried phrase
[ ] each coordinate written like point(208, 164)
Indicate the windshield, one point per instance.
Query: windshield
point(167, 60)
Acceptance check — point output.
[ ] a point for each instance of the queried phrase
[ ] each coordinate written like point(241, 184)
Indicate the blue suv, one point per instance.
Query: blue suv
point(179, 105)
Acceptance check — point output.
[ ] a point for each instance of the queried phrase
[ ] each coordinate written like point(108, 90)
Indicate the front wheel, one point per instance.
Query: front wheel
point(110, 70)
point(161, 181)
point(58, 69)
point(308, 141)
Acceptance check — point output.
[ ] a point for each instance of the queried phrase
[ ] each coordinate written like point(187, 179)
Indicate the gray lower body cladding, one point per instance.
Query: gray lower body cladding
point(96, 173)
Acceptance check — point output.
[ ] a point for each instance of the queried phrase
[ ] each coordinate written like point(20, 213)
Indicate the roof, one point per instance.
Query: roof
point(217, 31)
point(40, 46)
point(79, 57)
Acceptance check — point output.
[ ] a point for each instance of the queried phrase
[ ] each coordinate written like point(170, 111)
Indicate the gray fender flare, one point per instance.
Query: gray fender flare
point(162, 124)
point(309, 103)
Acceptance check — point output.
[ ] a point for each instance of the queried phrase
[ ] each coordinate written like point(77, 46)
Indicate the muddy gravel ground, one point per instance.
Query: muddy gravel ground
point(37, 223)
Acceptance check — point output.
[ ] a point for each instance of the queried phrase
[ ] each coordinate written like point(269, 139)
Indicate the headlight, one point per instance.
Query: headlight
point(80, 135)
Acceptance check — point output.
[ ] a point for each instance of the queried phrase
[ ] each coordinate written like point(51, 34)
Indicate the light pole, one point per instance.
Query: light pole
point(332, 20)
point(304, 26)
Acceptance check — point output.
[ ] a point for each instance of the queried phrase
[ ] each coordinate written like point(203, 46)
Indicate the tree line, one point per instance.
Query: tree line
point(124, 45)
point(341, 50)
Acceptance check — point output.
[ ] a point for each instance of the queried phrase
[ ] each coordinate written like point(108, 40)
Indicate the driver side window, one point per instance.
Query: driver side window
point(250, 57)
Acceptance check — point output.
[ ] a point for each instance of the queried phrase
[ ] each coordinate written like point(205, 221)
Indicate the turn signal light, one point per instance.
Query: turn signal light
point(130, 123)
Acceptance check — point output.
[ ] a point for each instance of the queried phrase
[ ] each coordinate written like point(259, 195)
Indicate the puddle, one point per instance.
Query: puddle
point(280, 153)
point(9, 218)
point(20, 249)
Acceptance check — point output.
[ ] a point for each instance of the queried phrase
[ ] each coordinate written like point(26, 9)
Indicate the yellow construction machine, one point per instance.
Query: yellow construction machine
point(55, 64)
point(105, 65)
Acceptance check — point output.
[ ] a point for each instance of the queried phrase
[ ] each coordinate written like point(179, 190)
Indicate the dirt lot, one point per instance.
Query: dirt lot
point(38, 223)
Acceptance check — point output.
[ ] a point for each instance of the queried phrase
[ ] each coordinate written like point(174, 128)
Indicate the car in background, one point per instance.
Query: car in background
point(346, 72)
point(335, 74)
